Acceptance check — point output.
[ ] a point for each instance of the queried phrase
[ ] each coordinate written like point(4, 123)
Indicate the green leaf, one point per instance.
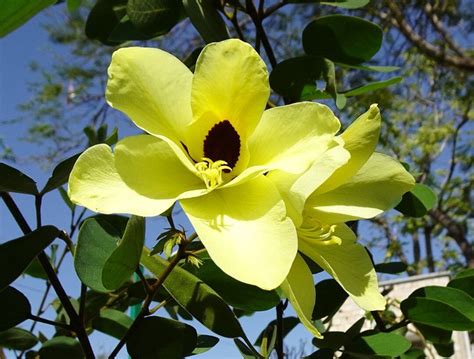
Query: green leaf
point(60, 348)
point(17, 339)
point(321, 354)
point(35, 270)
point(154, 17)
point(445, 350)
point(290, 77)
point(17, 254)
point(14, 13)
point(341, 38)
point(441, 307)
point(391, 268)
point(435, 335)
point(329, 298)
point(125, 259)
point(96, 242)
point(204, 344)
point(370, 67)
point(235, 293)
point(382, 344)
point(60, 174)
point(14, 308)
point(372, 86)
point(196, 297)
point(73, 5)
point(244, 350)
point(112, 322)
point(206, 19)
point(157, 337)
point(418, 201)
point(12, 180)
point(345, 4)
point(65, 198)
point(464, 281)
point(103, 18)
point(288, 324)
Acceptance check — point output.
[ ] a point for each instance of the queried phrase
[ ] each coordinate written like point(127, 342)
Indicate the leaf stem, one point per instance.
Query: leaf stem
point(51, 322)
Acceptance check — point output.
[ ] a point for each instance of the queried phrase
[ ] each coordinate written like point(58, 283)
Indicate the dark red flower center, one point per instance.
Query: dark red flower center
point(222, 143)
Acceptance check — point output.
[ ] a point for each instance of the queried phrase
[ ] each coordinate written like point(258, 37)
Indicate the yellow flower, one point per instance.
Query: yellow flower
point(368, 184)
point(210, 145)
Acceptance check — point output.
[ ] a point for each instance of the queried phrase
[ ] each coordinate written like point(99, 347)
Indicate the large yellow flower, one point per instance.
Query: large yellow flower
point(368, 184)
point(210, 145)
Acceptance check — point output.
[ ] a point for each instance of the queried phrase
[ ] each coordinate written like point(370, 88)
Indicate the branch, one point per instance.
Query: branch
point(53, 278)
point(436, 53)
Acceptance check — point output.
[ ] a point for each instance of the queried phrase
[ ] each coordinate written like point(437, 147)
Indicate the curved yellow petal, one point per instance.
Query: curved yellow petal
point(291, 137)
point(348, 263)
point(296, 188)
point(153, 88)
point(246, 232)
point(230, 83)
point(95, 184)
point(360, 139)
point(299, 288)
point(377, 187)
point(151, 167)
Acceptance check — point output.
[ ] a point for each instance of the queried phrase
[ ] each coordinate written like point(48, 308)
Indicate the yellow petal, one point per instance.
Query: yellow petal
point(298, 287)
point(246, 232)
point(360, 140)
point(377, 187)
point(230, 83)
point(153, 88)
point(291, 137)
point(296, 188)
point(95, 184)
point(348, 263)
point(151, 167)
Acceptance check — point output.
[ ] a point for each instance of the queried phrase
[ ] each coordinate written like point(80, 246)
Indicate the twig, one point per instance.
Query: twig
point(51, 322)
point(279, 328)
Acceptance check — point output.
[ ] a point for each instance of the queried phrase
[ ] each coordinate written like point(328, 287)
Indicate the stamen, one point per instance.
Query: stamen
point(313, 230)
point(211, 172)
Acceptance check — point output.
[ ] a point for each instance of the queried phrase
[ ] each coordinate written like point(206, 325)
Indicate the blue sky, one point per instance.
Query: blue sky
point(17, 51)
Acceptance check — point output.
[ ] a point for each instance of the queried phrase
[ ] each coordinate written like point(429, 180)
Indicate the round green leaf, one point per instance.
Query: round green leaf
point(196, 297)
point(154, 17)
point(60, 348)
point(12, 180)
point(464, 281)
point(157, 337)
point(441, 307)
point(103, 18)
point(17, 339)
point(417, 202)
point(206, 19)
point(235, 293)
point(14, 308)
point(383, 344)
point(340, 38)
point(17, 254)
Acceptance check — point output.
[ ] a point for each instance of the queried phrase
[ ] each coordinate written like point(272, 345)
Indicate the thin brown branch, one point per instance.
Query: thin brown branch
point(397, 19)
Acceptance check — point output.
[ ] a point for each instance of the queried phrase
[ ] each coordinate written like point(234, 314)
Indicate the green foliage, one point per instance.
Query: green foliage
point(379, 345)
point(112, 322)
point(204, 343)
point(329, 298)
point(464, 280)
point(61, 347)
point(17, 254)
point(340, 38)
point(60, 174)
point(206, 19)
point(14, 13)
point(15, 308)
point(418, 201)
point(176, 339)
point(440, 307)
point(17, 339)
point(196, 297)
point(12, 180)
